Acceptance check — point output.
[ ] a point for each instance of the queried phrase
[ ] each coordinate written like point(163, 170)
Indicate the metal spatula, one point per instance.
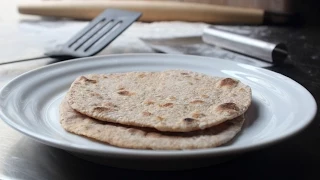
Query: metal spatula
point(100, 32)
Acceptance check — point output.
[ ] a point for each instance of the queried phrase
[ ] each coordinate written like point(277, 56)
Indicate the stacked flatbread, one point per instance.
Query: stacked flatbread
point(173, 109)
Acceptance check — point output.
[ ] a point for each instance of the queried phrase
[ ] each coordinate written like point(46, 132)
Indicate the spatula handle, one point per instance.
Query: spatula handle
point(152, 11)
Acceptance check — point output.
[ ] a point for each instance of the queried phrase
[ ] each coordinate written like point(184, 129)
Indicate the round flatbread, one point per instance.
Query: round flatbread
point(173, 100)
point(146, 138)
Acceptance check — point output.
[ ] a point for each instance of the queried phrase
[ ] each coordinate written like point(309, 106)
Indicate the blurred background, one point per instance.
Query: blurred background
point(297, 12)
point(34, 26)
point(28, 28)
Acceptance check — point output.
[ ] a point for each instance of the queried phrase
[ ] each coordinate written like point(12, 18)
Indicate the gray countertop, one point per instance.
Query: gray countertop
point(298, 157)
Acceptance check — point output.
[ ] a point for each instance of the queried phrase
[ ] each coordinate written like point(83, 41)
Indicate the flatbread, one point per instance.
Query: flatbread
point(146, 138)
point(173, 100)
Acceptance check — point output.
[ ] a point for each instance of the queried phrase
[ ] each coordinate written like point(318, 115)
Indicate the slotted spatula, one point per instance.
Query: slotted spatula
point(100, 32)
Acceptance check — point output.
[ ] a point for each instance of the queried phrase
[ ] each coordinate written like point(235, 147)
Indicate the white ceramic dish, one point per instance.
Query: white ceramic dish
point(280, 108)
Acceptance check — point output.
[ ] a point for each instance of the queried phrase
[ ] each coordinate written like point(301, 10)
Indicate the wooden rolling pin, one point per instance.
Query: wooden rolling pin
point(152, 11)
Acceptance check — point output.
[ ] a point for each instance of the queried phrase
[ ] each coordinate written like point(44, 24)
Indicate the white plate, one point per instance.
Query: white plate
point(280, 108)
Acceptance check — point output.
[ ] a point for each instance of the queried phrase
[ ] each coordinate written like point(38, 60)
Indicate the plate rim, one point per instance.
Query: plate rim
point(158, 153)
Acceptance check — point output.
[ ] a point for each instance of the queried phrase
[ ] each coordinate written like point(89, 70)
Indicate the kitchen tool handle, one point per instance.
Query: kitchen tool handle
point(152, 11)
point(270, 52)
point(59, 58)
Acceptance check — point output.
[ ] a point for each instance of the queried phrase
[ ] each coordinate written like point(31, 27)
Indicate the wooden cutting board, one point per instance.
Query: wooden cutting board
point(152, 11)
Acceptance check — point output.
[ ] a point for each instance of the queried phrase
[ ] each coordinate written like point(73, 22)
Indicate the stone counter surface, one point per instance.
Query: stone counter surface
point(296, 158)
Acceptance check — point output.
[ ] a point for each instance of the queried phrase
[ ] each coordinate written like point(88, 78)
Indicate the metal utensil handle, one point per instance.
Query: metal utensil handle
point(274, 53)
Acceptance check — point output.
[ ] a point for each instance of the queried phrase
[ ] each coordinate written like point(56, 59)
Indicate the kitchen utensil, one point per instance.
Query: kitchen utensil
point(100, 32)
point(224, 45)
point(152, 10)
point(194, 45)
point(270, 52)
